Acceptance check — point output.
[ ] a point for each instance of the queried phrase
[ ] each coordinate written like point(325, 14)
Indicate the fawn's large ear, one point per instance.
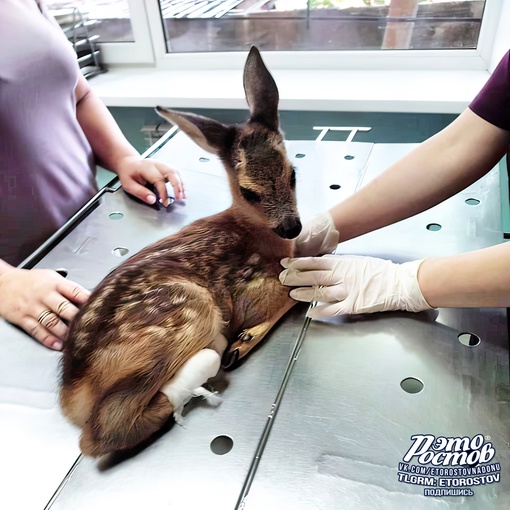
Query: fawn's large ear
point(212, 136)
point(261, 91)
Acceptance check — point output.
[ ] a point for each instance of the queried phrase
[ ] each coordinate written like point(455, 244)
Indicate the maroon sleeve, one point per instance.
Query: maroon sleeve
point(493, 102)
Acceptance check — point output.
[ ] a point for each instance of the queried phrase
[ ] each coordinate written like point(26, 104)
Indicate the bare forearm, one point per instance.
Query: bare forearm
point(4, 266)
point(437, 169)
point(476, 279)
point(104, 135)
point(115, 153)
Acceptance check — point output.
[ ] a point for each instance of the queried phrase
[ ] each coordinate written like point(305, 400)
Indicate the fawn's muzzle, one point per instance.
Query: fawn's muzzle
point(289, 230)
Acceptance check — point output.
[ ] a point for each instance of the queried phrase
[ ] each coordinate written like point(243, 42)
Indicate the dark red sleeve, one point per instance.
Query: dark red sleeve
point(493, 102)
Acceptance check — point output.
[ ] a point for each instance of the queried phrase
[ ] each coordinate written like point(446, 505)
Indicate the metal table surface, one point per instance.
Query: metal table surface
point(336, 437)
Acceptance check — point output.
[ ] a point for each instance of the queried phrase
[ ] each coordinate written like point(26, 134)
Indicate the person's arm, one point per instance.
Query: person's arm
point(477, 279)
point(38, 300)
point(437, 169)
point(344, 284)
point(115, 153)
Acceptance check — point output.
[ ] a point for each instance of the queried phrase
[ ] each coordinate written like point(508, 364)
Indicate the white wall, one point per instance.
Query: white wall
point(502, 37)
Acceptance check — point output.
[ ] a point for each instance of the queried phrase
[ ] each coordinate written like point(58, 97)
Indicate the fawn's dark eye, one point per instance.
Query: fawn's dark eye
point(249, 195)
point(293, 177)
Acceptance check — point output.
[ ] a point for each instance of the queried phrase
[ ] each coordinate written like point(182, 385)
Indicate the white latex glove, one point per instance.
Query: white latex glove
point(187, 381)
point(318, 236)
point(351, 285)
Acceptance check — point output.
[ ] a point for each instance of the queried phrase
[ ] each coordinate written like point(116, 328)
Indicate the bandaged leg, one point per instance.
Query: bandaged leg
point(187, 381)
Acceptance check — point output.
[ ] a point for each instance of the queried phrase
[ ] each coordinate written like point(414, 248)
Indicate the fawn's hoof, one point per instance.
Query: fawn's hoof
point(230, 359)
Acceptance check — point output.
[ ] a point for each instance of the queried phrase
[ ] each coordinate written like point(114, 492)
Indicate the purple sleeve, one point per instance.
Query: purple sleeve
point(493, 102)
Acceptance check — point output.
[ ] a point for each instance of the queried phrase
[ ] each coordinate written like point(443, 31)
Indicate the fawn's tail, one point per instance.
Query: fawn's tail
point(131, 411)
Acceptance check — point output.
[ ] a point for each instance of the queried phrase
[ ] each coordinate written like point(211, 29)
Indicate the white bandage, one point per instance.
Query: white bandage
point(187, 381)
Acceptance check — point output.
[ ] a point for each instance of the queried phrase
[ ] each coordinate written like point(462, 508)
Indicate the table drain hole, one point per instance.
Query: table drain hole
point(469, 339)
point(120, 251)
point(335, 186)
point(203, 160)
point(434, 227)
point(116, 215)
point(349, 157)
point(221, 445)
point(411, 385)
point(472, 201)
point(62, 272)
point(299, 155)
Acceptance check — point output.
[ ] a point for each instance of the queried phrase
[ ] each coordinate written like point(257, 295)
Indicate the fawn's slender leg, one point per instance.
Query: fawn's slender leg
point(278, 303)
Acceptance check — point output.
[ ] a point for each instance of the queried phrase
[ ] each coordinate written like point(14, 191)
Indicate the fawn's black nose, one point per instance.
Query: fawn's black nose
point(289, 230)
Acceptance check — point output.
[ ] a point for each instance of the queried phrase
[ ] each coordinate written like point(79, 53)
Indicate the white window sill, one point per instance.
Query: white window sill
point(322, 90)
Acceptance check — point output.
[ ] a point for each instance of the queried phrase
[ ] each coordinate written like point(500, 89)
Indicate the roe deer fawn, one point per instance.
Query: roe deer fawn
point(214, 284)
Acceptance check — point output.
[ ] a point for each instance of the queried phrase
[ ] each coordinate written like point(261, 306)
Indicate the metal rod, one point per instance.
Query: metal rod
point(240, 505)
point(31, 260)
point(63, 483)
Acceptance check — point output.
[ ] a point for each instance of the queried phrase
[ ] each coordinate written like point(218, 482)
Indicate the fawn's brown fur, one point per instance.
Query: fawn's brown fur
point(215, 279)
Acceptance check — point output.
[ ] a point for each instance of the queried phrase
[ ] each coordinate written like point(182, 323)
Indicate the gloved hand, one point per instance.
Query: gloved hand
point(351, 285)
point(318, 236)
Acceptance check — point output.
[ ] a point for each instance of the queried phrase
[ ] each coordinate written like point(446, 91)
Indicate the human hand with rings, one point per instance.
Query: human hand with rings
point(39, 301)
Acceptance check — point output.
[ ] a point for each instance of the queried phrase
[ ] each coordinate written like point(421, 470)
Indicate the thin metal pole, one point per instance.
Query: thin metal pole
point(240, 505)
point(63, 482)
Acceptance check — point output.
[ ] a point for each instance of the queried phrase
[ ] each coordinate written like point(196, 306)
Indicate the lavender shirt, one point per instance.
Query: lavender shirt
point(47, 169)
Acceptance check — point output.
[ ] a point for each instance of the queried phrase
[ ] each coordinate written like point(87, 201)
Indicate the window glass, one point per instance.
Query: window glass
point(104, 20)
point(233, 25)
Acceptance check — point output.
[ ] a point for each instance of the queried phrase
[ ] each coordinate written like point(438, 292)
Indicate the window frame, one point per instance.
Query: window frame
point(150, 48)
point(132, 53)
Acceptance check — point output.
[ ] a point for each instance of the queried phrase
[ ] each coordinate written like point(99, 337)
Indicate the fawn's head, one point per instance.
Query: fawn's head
point(262, 179)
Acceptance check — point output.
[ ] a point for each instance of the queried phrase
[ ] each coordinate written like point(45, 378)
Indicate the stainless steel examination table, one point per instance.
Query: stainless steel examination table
point(321, 416)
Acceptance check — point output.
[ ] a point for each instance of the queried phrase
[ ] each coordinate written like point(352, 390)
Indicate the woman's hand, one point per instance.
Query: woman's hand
point(39, 301)
point(353, 285)
point(135, 172)
point(113, 151)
